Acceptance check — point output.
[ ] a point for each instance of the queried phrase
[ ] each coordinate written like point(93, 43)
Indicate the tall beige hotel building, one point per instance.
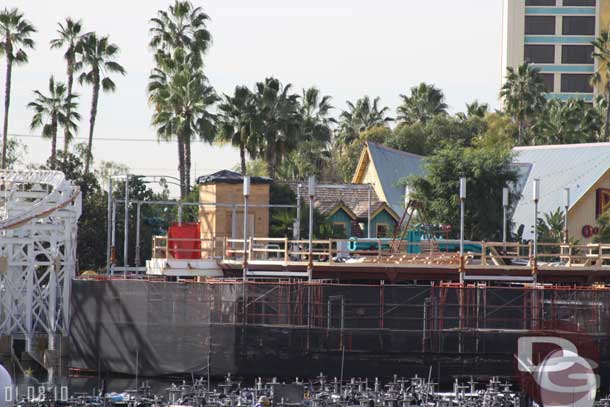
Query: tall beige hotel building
point(556, 36)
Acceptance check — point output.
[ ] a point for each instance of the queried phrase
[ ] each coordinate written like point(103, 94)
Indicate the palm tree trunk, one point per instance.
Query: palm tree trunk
point(94, 100)
point(181, 165)
point(53, 140)
point(607, 126)
point(7, 103)
point(187, 165)
point(242, 157)
point(68, 117)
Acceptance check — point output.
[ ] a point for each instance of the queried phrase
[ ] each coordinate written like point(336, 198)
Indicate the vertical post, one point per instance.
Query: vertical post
point(536, 198)
point(566, 206)
point(138, 210)
point(462, 208)
point(180, 213)
point(246, 195)
point(126, 226)
point(109, 227)
point(312, 194)
point(505, 193)
point(297, 223)
point(368, 214)
point(234, 222)
point(113, 249)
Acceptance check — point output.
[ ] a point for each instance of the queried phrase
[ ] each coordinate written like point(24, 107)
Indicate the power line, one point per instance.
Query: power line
point(120, 139)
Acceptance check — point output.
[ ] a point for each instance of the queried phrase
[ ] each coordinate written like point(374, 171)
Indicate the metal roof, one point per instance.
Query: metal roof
point(574, 166)
point(229, 177)
point(392, 166)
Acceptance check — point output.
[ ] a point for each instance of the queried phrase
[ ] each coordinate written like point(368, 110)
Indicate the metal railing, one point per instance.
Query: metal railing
point(284, 251)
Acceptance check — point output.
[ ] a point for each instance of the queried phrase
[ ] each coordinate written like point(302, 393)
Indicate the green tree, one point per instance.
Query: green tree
point(601, 77)
point(54, 110)
point(474, 109)
point(178, 88)
point(280, 123)
point(69, 36)
point(523, 98)
point(182, 98)
point(487, 170)
point(360, 116)
point(424, 102)
point(603, 223)
point(312, 154)
point(500, 131)
point(98, 59)
point(573, 121)
point(15, 39)
point(550, 227)
point(237, 122)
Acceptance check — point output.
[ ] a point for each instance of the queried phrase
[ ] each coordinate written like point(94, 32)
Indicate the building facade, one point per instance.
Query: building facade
point(556, 36)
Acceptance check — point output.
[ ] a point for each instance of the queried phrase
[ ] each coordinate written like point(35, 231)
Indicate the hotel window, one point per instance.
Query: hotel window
point(544, 25)
point(549, 81)
point(540, 2)
point(578, 25)
point(571, 82)
point(586, 3)
point(577, 54)
point(540, 54)
point(383, 230)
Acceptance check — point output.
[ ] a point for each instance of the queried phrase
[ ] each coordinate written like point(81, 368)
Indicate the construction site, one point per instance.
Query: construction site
point(254, 306)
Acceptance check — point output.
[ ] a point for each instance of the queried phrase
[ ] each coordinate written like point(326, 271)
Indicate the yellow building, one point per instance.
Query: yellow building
point(584, 169)
point(222, 214)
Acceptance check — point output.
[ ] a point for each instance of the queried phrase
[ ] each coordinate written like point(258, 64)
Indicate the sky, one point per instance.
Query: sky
point(346, 48)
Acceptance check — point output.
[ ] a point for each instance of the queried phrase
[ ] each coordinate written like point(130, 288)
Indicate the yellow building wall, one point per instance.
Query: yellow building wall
point(604, 15)
point(217, 221)
point(583, 213)
point(370, 177)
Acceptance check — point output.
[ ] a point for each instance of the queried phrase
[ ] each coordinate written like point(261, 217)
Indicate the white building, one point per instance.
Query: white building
point(556, 36)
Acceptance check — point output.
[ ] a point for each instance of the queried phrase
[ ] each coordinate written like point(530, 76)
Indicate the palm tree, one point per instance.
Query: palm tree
point(69, 36)
point(313, 153)
point(573, 121)
point(361, 116)
point(182, 26)
point(53, 111)
point(15, 32)
point(601, 78)
point(180, 38)
point(181, 97)
point(523, 96)
point(425, 102)
point(238, 122)
point(280, 122)
point(98, 58)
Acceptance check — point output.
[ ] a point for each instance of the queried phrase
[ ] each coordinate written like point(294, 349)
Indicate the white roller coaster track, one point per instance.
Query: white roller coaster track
point(39, 211)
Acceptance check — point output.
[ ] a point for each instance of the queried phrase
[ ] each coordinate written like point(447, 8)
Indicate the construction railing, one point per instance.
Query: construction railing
point(284, 251)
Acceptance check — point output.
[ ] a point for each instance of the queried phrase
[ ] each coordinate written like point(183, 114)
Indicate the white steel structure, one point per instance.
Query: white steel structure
point(39, 211)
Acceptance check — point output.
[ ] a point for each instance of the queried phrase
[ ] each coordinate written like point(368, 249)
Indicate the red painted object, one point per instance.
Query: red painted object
point(184, 241)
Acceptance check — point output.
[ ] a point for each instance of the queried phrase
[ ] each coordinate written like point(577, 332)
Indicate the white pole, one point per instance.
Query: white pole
point(462, 208)
point(109, 231)
point(368, 214)
point(566, 205)
point(536, 198)
point(505, 194)
point(246, 194)
point(312, 195)
point(126, 239)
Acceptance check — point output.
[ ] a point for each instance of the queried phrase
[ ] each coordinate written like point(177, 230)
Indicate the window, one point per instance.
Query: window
point(339, 230)
point(577, 54)
point(578, 25)
point(540, 54)
point(590, 3)
point(540, 2)
point(383, 230)
point(549, 81)
point(576, 83)
point(544, 25)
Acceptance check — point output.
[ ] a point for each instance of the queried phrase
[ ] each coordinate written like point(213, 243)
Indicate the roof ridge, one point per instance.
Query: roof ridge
point(381, 146)
point(560, 146)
